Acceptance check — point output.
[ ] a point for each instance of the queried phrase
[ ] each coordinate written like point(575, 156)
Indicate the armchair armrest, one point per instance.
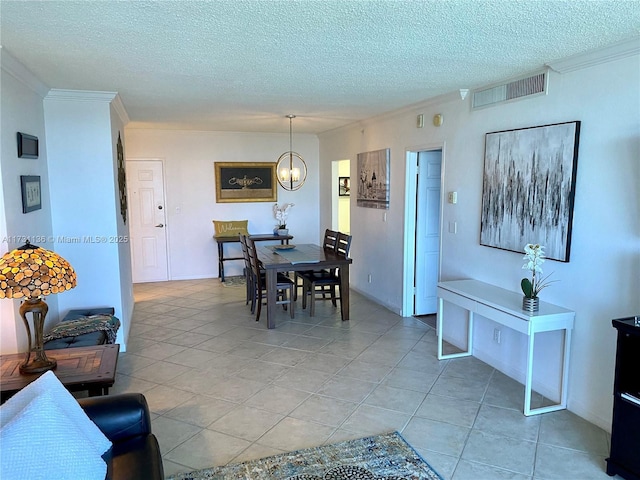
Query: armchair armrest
point(120, 417)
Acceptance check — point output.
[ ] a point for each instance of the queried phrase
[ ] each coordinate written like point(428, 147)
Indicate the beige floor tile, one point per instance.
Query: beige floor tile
point(504, 452)
point(292, 434)
point(449, 410)
point(301, 378)
point(207, 449)
point(201, 410)
point(245, 422)
point(440, 437)
point(277, 399)
point(160, 372)
point(347, 389)
point(324, 410)
point(397, 399)
point(370, 420)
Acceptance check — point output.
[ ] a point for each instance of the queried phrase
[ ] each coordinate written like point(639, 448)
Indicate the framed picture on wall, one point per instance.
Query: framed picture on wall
point(31, 197)
point(344, 186)
point(246, 182)
point(27, 145)
point(529, 188)
point(373, 179)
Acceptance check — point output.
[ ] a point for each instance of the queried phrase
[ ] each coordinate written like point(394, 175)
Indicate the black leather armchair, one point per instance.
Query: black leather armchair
point(124, 419)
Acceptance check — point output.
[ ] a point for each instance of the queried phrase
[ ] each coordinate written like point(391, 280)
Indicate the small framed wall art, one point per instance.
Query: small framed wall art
point(344, 186)
point(27, 145)
point(31, 196)
point(246, 182)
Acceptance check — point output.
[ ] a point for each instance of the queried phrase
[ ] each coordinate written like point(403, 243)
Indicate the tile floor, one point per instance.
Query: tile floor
point(222, 388)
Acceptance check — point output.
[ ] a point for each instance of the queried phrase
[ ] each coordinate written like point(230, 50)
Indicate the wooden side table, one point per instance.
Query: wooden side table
point(236, 239)
point(82, 368)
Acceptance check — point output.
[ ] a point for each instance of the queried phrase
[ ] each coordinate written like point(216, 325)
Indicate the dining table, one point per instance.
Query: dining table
point(294, 258)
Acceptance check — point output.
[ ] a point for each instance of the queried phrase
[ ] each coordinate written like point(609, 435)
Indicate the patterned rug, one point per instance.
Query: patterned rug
point(381, 457)
point(233, 281)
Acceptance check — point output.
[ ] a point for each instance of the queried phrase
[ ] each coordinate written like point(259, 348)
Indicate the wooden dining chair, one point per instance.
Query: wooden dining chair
point(284, 285)
point(325, 282)
point(328, 243)
point(248, 275)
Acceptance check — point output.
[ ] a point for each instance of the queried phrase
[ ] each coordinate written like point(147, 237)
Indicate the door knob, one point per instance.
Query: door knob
point(160, 225)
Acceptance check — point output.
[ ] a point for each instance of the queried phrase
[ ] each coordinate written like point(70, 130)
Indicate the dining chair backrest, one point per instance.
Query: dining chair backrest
point(253, 257)
point(330, 239)
point(343, 244)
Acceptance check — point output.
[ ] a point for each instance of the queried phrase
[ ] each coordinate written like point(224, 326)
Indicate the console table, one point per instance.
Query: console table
point(236, 239)
point(505, 307)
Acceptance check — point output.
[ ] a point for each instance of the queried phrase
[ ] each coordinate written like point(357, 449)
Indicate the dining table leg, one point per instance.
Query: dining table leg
point(271, 278)
point(344, 291)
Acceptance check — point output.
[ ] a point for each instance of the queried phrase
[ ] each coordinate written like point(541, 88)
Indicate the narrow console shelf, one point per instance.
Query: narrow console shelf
point(505, 307)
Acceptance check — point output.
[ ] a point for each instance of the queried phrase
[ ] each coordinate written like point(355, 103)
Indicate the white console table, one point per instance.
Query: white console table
point(505, 307)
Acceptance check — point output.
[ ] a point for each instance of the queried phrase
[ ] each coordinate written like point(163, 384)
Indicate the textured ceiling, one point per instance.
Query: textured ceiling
point(242, 65)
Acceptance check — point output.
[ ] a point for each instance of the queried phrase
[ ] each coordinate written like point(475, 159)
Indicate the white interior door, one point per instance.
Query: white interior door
point(145, 185)
point(427, 232)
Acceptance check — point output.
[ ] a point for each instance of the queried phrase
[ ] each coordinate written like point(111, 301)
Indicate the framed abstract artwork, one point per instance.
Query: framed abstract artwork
point(373, 179)
point(246, 182)
point(528, 188)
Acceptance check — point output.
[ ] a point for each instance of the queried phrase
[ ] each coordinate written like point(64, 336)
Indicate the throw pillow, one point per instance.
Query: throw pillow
point(230, 228)
point(49, 383)
point(40, 442)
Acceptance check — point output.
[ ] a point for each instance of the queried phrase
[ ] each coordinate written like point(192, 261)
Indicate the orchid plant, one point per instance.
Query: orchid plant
point(281, 213)
point(535, 258)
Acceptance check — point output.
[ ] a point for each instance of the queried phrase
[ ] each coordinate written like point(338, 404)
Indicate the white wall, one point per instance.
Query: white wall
point(21, 111)
point(85, 209)
point(600, 281)
point(188, 158)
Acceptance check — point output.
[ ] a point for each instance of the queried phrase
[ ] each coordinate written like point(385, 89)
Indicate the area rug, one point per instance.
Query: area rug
point(381, 457)
point(234, 281)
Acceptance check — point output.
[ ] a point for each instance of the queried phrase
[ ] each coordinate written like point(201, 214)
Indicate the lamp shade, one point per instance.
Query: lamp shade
point(31, 272)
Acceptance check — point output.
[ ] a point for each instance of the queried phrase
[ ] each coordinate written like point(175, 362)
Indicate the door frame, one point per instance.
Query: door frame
point(411, 189)
point(164, 202)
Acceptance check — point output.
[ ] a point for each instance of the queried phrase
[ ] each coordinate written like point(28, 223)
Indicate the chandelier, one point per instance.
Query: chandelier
point(291, 168)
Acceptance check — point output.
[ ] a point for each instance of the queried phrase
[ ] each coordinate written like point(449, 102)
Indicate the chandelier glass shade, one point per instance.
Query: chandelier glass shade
point(291, 168)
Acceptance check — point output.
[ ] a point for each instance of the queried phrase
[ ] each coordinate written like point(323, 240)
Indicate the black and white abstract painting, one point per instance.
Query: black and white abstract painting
point(373, 179)
point(529, 188)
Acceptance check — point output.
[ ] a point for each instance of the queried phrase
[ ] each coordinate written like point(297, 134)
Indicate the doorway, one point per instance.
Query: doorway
point(423, 213)
point(341, 196)
point(148, 232)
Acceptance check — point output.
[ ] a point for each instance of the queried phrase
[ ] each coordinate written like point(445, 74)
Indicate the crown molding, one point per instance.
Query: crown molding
point(80, 95)
point(18, 71)
point(595, 57)
point(118, 106)
point(91, 96)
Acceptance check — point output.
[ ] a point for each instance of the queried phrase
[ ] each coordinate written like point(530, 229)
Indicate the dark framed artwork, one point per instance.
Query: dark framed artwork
point(31, 194)
point(373, 179)
point(344, 186)
point(246, 182)
point(528, 188)
point(27, 145)
point(122, 180)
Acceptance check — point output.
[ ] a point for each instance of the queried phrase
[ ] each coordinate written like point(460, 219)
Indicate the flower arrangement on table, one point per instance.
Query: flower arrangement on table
point(531, 288)
point(281, 213)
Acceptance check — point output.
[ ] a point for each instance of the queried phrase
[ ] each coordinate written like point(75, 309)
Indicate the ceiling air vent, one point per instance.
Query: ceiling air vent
point(522, 87)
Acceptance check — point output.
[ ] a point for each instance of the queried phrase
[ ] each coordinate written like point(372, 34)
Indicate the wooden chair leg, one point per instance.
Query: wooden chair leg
point(258, 306)
point(291, 301)
point(312, 291)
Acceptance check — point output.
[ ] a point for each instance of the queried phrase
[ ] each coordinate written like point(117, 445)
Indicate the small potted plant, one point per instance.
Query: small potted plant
point(531, 288)
point(281, 213)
